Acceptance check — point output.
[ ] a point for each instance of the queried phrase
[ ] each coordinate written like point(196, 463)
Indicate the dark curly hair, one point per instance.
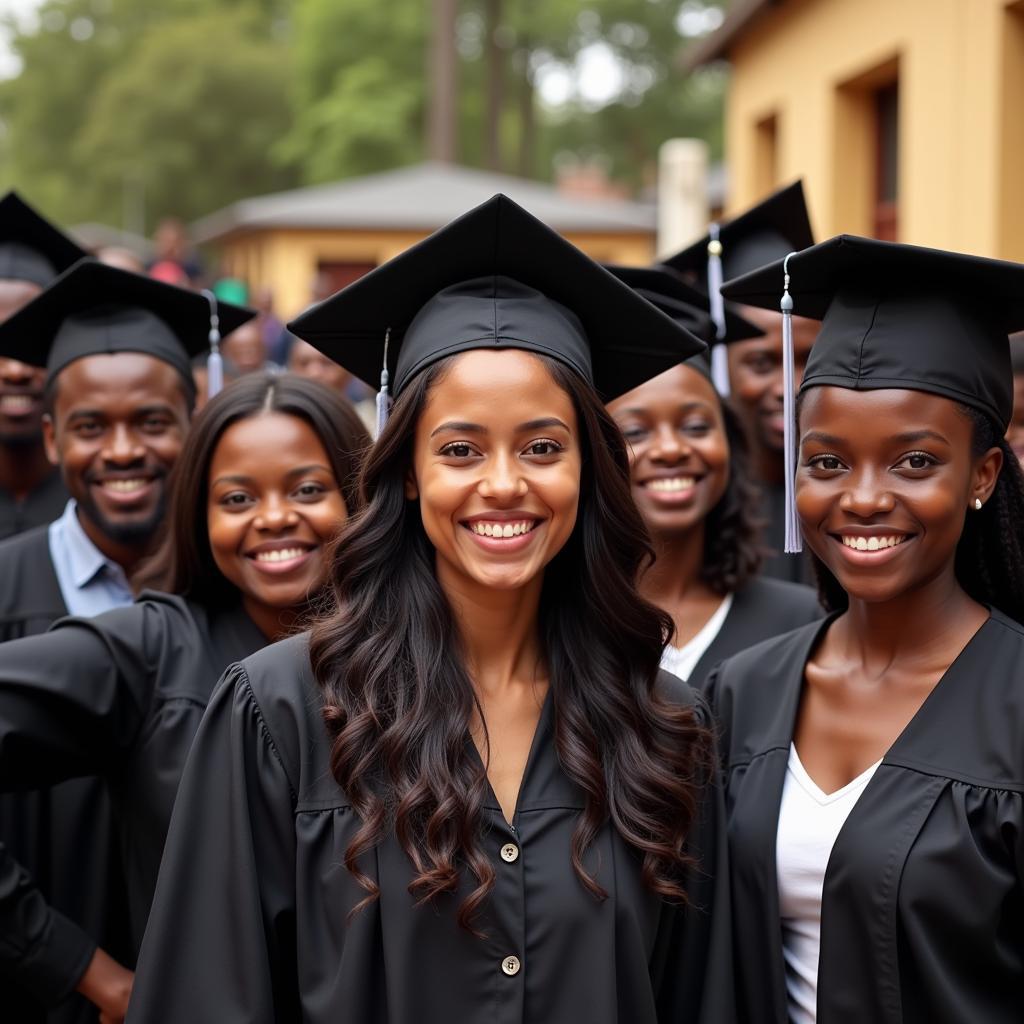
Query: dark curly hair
point(183, 563)
point(990, 553)
point(398, 700)
point(733, 547)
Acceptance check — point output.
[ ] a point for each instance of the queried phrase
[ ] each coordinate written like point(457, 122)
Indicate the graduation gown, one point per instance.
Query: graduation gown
point(251, 917)
point(922, 916)
point(118, 696)
point(38, 508)
point(57, 843)
point(762, 609)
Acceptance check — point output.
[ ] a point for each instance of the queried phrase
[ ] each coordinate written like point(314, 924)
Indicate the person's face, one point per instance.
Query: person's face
point(884, 482)
point(273, 506)
point(755, 374)
point(245, 348)
point(306, 361)
point(1015, 431)
point(679, 454)
point(496, 469)
point(21, 385)
point(116, 430)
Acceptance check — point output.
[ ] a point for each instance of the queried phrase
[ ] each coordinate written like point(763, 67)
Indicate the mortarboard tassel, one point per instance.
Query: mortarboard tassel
point(383, 398)
point(719, 356)
point(214, 362)
point(793, 541)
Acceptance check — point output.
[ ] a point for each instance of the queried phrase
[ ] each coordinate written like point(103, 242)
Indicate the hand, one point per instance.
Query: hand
point(107, 985)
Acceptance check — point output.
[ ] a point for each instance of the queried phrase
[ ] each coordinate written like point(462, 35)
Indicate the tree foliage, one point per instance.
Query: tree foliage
point(182, 106)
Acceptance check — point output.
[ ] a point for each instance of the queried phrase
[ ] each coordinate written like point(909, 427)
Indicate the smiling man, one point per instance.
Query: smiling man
point(114, 349)
point(32, 253)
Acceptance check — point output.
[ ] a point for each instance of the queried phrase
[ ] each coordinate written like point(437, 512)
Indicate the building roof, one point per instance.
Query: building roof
point(741, 14)
point(420, 198)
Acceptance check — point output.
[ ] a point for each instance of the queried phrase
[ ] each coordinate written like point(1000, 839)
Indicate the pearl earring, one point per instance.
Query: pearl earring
point(977, 504)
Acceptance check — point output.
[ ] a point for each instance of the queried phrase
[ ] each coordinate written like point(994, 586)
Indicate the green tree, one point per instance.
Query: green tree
point(358, 88)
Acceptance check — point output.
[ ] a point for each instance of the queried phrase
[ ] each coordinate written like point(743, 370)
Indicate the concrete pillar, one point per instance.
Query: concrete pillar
point(682, 193)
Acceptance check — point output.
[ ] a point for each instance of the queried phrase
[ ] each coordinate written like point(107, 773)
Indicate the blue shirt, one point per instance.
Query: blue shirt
point(89, 581)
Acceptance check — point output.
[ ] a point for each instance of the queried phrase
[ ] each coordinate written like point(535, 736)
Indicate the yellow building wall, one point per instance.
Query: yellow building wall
point(960, 66)
point(286, 261)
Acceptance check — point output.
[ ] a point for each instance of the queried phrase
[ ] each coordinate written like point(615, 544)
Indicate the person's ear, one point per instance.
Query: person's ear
point(50, 439)
point(986, 474)
point(412, 490)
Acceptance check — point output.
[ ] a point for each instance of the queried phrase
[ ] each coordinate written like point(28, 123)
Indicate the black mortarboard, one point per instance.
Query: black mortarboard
point(495, 277)
point(31, 248)
point(93, 309)
point(900, 316)
point(1017, 352)
point(684, 303)
point(777, 225)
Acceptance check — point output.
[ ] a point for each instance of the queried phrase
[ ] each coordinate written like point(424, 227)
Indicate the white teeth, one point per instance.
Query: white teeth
point(125, 486)
point(503, 530)
point(673, 483)
point(873, 543)
point(280, 555)
point(16, 403)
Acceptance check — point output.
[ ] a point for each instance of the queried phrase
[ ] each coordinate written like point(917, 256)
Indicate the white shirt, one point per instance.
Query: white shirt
point(809, 823)
point(681, 661)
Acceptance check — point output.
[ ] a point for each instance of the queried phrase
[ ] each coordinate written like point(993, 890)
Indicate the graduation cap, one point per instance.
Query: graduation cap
point(777, 225)
point(496, 277)
point(31, 248)
point(1017, 353)
point(94, 308)
point(895, 316)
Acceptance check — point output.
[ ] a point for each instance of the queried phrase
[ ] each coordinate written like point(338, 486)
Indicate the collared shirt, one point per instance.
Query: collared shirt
point(90, 583)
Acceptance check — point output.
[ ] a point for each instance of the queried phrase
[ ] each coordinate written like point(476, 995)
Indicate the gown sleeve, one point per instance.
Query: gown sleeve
point(70, 701)
point(219, 946)
point(44, 950)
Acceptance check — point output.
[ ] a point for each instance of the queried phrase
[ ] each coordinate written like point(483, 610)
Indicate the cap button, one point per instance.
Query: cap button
point(715, 247)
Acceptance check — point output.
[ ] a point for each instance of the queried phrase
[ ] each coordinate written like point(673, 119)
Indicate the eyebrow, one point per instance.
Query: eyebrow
point(910, 437)
point(238, 478)
point(100, 414)
point(476, 428)
point(685, 407)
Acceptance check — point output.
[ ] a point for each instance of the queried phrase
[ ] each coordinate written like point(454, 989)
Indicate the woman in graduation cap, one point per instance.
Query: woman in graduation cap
point(875, 762)
point(266, 478)
point(469, 794)
point(691, 482)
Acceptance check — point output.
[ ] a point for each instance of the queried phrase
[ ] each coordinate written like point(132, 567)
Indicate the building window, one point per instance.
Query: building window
point(766, 155)
point(335, 276)
point(887, 162)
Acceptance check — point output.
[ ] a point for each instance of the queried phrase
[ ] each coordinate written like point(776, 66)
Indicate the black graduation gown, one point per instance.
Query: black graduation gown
point(923, 902)
point(763, 608)
point(62, 835)
point(38, 508)
point(118, 696)
point(250, 921)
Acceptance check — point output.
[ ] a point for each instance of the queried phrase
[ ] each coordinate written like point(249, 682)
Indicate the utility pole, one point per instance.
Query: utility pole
point(443, 66)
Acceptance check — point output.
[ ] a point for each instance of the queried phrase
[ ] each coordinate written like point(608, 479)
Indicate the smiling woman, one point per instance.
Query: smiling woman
point(470, 784)
point(876, 762)
point(265, 482)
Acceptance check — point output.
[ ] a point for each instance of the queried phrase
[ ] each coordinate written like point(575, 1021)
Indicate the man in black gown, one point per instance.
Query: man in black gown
point(32, 253)
point(115, 349)
point(766, 232)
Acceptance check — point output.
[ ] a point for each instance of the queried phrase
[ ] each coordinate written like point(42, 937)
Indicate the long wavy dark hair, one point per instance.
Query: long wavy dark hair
point(398, 700)
point(990, 553)
point(733, 546)
point(183, 563)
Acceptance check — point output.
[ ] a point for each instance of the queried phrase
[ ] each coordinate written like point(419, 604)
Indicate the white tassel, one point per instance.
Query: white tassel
point(719, 356)
point(793, 539)
point(383, 396)
point(214, 362)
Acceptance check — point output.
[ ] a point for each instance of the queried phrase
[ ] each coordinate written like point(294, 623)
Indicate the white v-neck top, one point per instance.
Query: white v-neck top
point(809, 823)
point(681, 661)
